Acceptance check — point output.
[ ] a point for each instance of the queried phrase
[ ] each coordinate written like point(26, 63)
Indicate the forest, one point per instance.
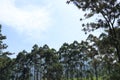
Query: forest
point(96, 58)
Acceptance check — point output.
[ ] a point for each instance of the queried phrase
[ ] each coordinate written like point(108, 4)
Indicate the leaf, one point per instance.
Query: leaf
point(89, 15)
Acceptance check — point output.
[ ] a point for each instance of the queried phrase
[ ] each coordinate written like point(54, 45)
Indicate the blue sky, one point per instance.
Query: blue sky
point(29, 22)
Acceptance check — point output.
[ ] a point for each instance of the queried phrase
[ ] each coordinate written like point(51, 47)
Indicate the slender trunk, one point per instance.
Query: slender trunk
point(67, 74)
point(37, 75)
point(84, 66)
point(72, 74)
point(109, 69)
point(118, 52)
point(67, 71)
point(96, 73)
point(80, 72)
point(34, 74)
point(117, 43)
point(77, 74)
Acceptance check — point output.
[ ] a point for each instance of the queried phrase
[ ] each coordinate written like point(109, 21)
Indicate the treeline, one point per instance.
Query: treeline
point(92, 59)
point(96, 58)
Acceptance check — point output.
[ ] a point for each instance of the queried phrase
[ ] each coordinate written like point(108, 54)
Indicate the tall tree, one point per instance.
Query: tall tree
point(109, 12)
point(5, 61)
point(2, 45)
point(64, 53)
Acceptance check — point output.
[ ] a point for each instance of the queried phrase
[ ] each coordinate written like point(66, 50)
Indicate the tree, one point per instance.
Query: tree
point(109, 10)
point(52, 67)
point(5, 70)
point(2, 45)
point(64, 53)
point(5, 61)
point(21, 69)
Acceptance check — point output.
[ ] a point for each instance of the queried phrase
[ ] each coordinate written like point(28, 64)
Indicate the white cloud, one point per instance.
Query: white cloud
point(29, 20)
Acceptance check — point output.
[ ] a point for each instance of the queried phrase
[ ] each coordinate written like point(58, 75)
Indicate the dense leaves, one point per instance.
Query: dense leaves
point(107, 13)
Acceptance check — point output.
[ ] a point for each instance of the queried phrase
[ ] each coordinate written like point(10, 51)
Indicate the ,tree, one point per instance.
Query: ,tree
point(21, 69)
point(109, 12)
point(2, 45)
point(5, 61)
point(64, 53)
point(53, 69)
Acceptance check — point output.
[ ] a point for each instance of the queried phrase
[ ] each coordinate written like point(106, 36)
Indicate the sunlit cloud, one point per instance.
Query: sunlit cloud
point(29, 20)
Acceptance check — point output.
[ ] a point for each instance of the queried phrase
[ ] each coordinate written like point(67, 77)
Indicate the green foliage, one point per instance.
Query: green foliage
point(97, 58)
point(5, 61)
point(88, 60)
point(106, 48)
point(2, 45)
point(109, 10)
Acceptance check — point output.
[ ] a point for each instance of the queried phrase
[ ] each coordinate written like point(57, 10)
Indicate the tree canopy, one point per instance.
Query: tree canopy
point(96, 58)
point(109, 20)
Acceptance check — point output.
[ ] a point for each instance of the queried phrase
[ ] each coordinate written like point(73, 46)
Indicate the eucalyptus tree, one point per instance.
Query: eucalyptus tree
point(52, 67)
point(35, 55)
point(95, 55)
point(5, 69)
point(21, 70)
point(84, 57)
point(64, 53)
point(109, 12)
point(110, 57)
point(103, 56)
point(74, 59)
point(78, 58)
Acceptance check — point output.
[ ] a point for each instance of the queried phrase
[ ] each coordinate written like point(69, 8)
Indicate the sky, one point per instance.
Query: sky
point(29, 22)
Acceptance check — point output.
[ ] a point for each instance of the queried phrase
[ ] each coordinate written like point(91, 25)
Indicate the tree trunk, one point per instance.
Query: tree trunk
point(118, 52)
point(96, 73)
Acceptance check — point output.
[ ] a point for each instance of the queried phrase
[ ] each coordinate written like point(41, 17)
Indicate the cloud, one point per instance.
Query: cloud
point(29, 19)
